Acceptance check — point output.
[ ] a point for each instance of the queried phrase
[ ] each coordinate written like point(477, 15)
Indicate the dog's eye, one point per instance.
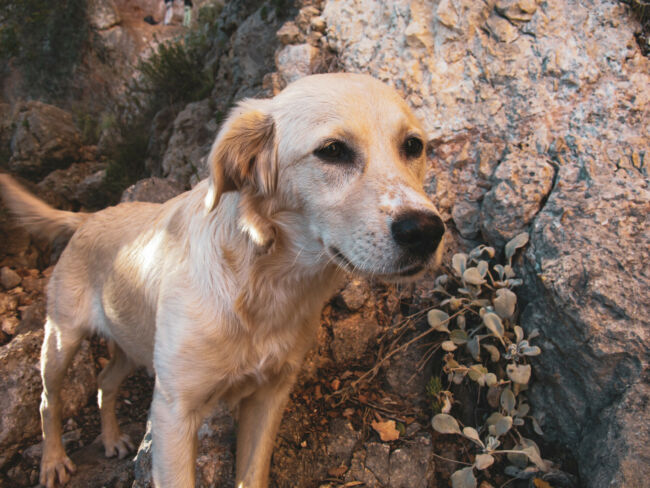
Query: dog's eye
point(334, 152)
point(413, 147)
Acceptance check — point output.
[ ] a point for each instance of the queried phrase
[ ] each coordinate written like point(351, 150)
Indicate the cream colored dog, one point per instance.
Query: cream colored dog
point(219, 290)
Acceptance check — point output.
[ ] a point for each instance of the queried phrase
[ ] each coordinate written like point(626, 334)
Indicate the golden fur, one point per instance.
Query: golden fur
point(219, 290)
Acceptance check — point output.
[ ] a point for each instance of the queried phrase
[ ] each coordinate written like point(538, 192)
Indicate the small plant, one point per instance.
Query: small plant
point(486, 347)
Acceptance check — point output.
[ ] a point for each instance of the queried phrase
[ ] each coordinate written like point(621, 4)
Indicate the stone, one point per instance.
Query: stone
point(517, 10)
point(8, 303)
point(103, 14)
point(521, 184)
point(20, 389)
point(289, 33)
point(296, 60)
point(9, 325)
point(215, 464)
point(353, 335)
point(341, 441)
point(156, 190)
point(412, 466)
point(502, 29)
point(70, 185)
point(466, 216)
point(45, 139)
point(355, 293)
point(9, 278)
point(32, 317)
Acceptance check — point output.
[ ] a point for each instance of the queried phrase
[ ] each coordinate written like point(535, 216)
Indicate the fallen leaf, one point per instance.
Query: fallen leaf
point(386, 430)
point(337, 472)
point(540, 483)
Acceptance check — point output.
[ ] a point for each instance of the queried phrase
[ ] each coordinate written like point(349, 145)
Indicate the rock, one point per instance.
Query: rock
point(91, 192)
point(522, 183)
point(45, 139)
point(20, 385)
point(296, 60)
point(289, 33)
point(215, 463)
point(564, 88)
point(354, 334)
point(412, 466)
point(355, 293)
point(32, 317)
point(9, 278)
point(8, 303)
point(9, 325)
point(341, 442)
point(103, 14)
point(192, 136)
point(156, 190)
point(466, 217)
point(70, 186)
point(305, 14)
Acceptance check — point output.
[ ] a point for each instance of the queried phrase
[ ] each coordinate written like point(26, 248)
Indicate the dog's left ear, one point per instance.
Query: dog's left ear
point(244, 154)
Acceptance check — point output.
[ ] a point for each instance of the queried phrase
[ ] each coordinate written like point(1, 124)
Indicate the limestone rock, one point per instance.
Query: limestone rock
point(355, 293)
point(9, 278)
point(215, 464)
point(354, 334)
point(341, 442)
point(296, 60)
point(69, 187)
point(289, 33)
point(45, 139)
point(20, 382)
point(103, 14)
point(521, 184)
point(156, 190)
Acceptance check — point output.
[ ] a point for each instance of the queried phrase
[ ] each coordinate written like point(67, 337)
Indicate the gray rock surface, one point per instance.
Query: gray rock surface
point(45, 138)
point(20, 385)
point(536, 115)
point(156, 190)
point(353, 335)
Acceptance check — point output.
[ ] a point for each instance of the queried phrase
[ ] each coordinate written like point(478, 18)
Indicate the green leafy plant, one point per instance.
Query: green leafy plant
point(485, 347)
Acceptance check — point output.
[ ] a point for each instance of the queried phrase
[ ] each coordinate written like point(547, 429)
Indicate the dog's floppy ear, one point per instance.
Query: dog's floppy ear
point(244, 152)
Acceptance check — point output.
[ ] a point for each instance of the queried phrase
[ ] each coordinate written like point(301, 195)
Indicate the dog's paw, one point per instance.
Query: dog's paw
point(56, 471)
point(120, 446)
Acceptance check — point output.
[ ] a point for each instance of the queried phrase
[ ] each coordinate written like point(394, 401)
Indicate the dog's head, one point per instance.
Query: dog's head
point(345, 152)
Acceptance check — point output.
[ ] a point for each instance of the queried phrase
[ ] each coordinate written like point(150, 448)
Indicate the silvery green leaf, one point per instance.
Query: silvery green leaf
point(483, 461)
point(489, 251)
point(500, 270)
point(535, 458)
point(536, 427)
point(471, 434)
point(448, 346)
point(493, 418)
point(492, 443)
point(533, 333)
point(518, 421)
point(441, 280)
point(458, 336)
point(504, 303)
point(518, 459)
point(531, 351)
point(460, 320)
point(474, 348)
point(459, 263)
point(495, 355)
point(438, 320)
point(482, 267)
point(458, 378)
point(519, 373)
point(503, 425)
point(464, 291)
point(523, 409)
point(494, 325)
point(476, 252)
point(514, 283)
point(463, 478)
point(512, 471)
point(473, 276)
point(519, 334)
point(455, 303)
point(515, 243)
point(508, 400)
point(510, 273)
point(445, 424)
point(491, 379)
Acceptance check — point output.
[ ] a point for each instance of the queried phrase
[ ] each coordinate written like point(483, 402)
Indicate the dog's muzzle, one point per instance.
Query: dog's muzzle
point(418, 232)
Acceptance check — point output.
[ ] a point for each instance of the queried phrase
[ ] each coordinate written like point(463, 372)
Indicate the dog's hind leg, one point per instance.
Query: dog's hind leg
point(59, 346)
point(109, 381)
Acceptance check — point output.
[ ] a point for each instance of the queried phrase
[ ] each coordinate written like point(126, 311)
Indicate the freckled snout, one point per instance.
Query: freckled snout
point(418, 232)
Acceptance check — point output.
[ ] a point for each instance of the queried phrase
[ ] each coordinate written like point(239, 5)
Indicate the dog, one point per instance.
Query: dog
point(219, 290)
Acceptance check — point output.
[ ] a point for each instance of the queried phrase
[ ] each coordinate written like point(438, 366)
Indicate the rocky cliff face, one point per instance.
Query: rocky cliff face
point(537, 118)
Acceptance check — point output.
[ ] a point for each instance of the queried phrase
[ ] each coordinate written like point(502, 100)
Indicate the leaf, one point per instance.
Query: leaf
point(460, 320)
point(458, 336)
point(504, 303)
point(386, 430)
point(500, 270)
point(438, 320)
point(519, 334)
point(535, 458)
point(540, 483)
point(473, 276)
point(474, 348)
point(533, 333)
point(515, 243)
point(522, 409)
point(463, 478)
point(508, 400)
point(482, 268)
point(483, 461)
point(536, 427)
point(459, 263)
point(449, 346)
point(503, 426)
point(493, 322)
point(495, 355)
point(519, 373)
point(445, 424)
point(531, 351)
point(472, 434)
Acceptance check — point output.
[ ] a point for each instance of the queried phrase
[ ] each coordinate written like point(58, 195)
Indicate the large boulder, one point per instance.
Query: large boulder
point(536, 114)
point(45, 138)
point(20, 389)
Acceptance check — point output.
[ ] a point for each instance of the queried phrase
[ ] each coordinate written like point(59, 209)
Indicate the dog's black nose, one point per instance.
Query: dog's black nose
point(419, 232)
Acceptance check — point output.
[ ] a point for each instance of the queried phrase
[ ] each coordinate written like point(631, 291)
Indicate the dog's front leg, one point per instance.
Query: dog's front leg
point(174, 435)
point(259, 418)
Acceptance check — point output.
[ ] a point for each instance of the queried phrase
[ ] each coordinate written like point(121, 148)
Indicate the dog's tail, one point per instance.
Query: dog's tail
point(35, 215)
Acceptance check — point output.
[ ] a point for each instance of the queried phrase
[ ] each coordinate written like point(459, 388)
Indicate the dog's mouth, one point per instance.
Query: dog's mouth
point(404, 272)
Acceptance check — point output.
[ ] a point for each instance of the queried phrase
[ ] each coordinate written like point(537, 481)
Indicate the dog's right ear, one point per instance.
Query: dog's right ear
point(244, 152)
